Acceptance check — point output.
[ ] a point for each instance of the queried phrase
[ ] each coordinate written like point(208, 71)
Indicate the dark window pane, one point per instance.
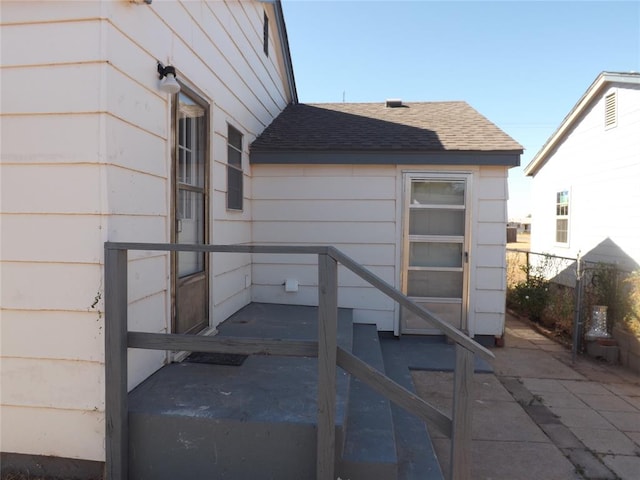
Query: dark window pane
point(235, 138)
point(265, 35)
point(234, 169)
point(234, 157)
point(234, 188)
point(562, 230)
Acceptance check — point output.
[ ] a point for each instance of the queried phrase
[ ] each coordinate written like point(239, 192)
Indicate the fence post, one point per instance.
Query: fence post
point(115, 359)
point(460, 465)
point(327, 352)
point(577, 321)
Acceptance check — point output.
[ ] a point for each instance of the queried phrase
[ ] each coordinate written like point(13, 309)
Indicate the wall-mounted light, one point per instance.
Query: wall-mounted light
point(167, 75)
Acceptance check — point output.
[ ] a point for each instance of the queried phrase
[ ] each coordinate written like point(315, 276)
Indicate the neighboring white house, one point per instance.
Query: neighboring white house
point(94, 150)
point(586, 176)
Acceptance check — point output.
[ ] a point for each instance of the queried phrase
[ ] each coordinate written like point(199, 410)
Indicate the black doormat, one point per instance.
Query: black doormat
point(233, 359)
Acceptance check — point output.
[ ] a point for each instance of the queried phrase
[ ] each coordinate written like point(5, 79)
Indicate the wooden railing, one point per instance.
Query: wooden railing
point(118, 340)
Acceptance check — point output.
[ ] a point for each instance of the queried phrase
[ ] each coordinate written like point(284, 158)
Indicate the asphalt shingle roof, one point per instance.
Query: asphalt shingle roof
point(413, 127)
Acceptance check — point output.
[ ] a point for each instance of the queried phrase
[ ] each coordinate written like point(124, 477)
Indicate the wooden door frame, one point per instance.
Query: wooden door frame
point(200, 100)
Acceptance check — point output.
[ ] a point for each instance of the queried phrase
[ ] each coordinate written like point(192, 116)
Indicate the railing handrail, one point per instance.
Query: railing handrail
point(209, 248)
point(450, 331)
point(118, 339)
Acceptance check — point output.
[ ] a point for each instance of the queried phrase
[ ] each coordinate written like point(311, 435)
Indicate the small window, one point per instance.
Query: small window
point(562, 217)
point(610, 110)
point(265, 35)
point(234, 169)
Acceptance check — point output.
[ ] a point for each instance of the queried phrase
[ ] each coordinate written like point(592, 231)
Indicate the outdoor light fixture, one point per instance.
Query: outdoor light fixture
point(167, 75)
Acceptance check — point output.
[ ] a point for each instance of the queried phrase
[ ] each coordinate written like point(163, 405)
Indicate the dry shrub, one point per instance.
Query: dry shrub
point(632, 317)
point(559, 311)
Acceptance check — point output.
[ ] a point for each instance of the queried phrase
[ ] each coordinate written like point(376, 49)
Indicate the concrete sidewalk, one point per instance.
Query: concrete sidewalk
point(542, 417)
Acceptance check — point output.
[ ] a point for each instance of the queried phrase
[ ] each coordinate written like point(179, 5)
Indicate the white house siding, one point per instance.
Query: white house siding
point(600, 169)
point(358, 209)
point(86, 154)
point(350, 207)
point(487, 256)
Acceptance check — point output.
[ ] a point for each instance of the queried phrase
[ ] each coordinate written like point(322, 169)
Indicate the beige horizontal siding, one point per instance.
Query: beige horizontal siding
point(86, 159)
point(320, 205)
point(61, 139)
point(488, 263)
point(50, 286)
point(53, 432)
point(67, 384)
point(45, 334)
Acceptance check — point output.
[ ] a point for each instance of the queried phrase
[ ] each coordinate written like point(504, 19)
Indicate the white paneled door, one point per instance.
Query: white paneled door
point(435, 251)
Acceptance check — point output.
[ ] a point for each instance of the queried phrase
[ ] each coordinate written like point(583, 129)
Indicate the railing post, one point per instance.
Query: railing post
point(462, 403)
point(115, 359)
point(327, 351)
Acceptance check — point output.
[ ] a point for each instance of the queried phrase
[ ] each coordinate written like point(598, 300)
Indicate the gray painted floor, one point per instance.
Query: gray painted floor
point(189, 406)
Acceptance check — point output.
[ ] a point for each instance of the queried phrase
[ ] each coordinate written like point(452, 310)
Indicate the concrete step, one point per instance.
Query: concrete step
point(416, 456)
point(256, 420)
point(369, 449)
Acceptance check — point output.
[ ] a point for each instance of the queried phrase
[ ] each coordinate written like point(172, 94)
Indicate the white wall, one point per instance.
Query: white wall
point(488, 283)
point(86, 154)
point(600, 168)
point(358, 209)
point(352, 208)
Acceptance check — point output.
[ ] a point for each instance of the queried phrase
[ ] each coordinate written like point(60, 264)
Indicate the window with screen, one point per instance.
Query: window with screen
point(562, 217)
point(234, 169)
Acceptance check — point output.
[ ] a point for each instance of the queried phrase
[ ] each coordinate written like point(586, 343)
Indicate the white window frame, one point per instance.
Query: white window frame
point(563, 211)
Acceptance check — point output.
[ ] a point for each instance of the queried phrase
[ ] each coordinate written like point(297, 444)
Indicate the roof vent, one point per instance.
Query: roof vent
point(394, 102)
point(610, 110)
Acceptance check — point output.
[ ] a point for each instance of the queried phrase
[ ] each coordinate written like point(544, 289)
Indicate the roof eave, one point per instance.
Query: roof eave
point(604, 78)
point(286, 53)
point(507, 158)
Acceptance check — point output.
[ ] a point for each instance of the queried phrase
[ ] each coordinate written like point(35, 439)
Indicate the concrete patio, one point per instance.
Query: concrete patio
point(540, 416)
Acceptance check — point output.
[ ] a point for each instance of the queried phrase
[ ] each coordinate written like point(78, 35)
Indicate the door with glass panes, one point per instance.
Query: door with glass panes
point(435, 252)
point(190, 187)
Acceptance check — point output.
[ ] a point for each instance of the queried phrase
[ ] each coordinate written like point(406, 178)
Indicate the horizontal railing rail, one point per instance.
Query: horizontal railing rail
point(118, 339)
point(447, 329)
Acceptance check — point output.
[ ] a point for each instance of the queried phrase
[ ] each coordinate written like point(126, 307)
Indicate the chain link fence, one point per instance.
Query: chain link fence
point(560, 293)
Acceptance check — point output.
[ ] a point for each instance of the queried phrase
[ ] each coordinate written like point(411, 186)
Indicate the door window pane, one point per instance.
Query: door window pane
point(191, 159)
point(191, 230)
point(436, 222)
point(434, 284)
point(431, 254)
point(437, 193)
point(191, 144)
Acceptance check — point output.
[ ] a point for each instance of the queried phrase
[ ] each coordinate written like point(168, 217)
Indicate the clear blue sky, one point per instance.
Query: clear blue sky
point(522, 64)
